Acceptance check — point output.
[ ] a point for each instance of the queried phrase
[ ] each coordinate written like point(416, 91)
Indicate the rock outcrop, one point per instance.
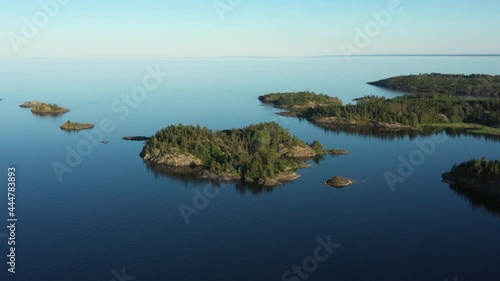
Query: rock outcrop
point(174, 158)
point(297, 151)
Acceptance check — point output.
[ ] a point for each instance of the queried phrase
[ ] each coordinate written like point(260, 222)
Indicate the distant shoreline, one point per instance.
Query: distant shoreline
point(258, 57)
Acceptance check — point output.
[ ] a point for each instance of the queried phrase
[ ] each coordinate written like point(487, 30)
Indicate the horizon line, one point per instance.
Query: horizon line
point(262, 57)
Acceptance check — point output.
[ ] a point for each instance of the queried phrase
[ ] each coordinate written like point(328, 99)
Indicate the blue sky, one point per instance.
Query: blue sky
point(194, 28)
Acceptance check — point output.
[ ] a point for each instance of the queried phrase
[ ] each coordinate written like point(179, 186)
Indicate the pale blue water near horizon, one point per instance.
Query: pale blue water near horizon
point(112, 212)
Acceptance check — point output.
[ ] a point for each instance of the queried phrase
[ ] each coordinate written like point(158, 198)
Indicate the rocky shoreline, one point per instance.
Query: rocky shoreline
point(177, 159)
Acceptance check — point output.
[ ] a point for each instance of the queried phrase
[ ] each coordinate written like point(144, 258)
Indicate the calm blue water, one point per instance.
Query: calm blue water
point(112, 212)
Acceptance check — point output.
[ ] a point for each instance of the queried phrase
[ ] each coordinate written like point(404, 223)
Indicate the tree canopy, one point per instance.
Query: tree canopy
point(256, 151)
point(415, 110)
point(480, 169)
point(474, 85)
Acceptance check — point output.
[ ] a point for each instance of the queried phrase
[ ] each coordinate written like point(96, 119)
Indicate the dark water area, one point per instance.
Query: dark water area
point(110, 211)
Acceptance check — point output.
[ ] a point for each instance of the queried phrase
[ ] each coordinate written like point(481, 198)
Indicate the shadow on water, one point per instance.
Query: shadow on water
point(478, 200)
point(187, 176)
point(391, 134)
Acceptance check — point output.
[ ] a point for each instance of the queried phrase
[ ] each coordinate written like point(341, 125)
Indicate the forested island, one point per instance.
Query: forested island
point(410, 112)
point(297, 102)
point(74, 126)
point(264, 153)
point(44, 108)
point(474, 85)
point(479, 175)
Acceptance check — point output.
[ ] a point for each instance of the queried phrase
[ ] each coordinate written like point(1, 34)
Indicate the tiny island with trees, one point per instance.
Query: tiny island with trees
point(42, 108)
point(265, 153)
point(74, 126)
point(480, 175)
point(298, 102)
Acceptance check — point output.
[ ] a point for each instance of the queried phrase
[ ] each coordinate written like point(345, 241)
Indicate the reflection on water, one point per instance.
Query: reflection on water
point(478, 200)
point(187, 176)
point(47, 115)
point(391, 134)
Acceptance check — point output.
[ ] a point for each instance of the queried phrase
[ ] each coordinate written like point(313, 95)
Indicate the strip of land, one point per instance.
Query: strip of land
point(474, 85)
point(410, 112)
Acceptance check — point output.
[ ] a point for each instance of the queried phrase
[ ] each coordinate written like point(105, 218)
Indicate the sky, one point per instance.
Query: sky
point(208, 28)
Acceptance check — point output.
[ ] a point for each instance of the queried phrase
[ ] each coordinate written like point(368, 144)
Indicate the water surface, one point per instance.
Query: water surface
point(113, 212)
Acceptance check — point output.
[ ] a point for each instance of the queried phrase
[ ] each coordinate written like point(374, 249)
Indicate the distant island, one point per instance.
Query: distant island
point(478, 175)
point(74, 126)
point(410, 112)
point(265, 153)
point(298, 102)
point(474, 85)
point(44, 108)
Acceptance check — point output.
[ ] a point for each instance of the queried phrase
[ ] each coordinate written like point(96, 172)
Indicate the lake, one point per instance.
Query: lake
point(111, 217)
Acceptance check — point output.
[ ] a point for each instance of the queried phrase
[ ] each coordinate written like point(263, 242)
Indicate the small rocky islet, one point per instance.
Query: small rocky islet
point(338, 182)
